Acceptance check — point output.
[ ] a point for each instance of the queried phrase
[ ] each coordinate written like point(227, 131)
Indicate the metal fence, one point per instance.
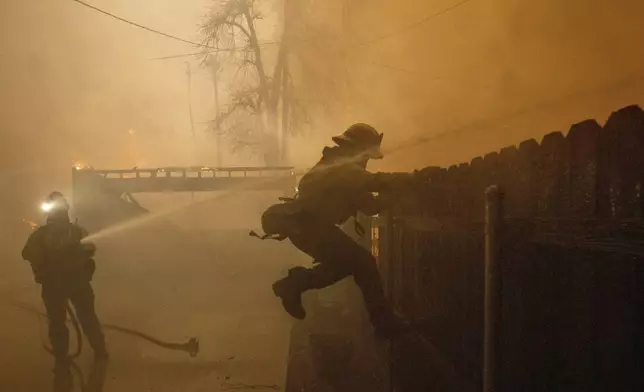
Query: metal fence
point(571, 272)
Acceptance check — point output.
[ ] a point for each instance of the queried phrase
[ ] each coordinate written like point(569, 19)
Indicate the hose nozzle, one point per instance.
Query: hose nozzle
point(192, 347)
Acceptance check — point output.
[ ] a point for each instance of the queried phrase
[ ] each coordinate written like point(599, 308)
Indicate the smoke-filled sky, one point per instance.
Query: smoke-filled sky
point(73, 82)
point(81, 80)
point(501, 70)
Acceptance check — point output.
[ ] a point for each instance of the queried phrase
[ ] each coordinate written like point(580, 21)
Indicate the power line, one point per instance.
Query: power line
point(391, 34)
point(487, 122)
point(176, 56)
point(366, 61)
point(411, 25)
point(148, 28)
point(536, 107)
point(216, 49)
point(357, 44)
point(440, 135)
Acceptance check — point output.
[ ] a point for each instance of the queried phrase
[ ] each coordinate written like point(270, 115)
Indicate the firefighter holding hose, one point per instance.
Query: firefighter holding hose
point(335, 189)
point(64, 268)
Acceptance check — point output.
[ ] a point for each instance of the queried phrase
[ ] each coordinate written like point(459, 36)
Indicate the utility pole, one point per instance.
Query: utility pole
point(214, 70)
point(286, 102)
point(284, 151)
point(192, 121)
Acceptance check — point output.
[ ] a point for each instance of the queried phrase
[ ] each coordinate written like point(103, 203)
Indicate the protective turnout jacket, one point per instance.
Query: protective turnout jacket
point(337, 187)
point(55, 251)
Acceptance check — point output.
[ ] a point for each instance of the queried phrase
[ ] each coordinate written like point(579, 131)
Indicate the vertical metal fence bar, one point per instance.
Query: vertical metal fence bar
point(388, 240)
point(492, 318)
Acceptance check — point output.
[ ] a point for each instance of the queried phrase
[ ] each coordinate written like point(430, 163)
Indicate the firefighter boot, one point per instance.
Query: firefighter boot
point(290, 290)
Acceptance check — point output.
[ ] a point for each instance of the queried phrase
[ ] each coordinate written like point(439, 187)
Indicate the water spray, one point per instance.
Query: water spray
point(137, 222)
point(143, 220)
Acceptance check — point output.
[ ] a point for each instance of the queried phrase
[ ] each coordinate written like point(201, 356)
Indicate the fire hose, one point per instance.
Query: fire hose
point(191, 347)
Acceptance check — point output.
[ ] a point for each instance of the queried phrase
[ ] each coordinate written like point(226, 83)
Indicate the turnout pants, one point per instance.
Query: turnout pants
point(338, 256)
point(55, 297)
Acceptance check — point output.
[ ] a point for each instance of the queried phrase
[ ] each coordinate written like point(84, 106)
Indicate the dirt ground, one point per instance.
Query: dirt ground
point(174, 284)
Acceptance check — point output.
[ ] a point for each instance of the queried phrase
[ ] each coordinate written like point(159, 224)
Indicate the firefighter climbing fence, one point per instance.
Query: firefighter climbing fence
point(571, 314)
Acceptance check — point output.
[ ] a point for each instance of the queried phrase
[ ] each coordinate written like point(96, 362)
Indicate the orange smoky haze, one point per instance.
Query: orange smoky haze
point(77, 85)
point(485, 73)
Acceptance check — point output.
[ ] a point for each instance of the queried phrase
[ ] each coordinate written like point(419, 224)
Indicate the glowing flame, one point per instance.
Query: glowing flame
point(46, 207)
point(31, 224)
point(79, 165)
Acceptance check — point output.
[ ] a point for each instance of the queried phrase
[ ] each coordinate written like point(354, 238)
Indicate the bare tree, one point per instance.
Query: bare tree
point(251, 118)
point(264, 74)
